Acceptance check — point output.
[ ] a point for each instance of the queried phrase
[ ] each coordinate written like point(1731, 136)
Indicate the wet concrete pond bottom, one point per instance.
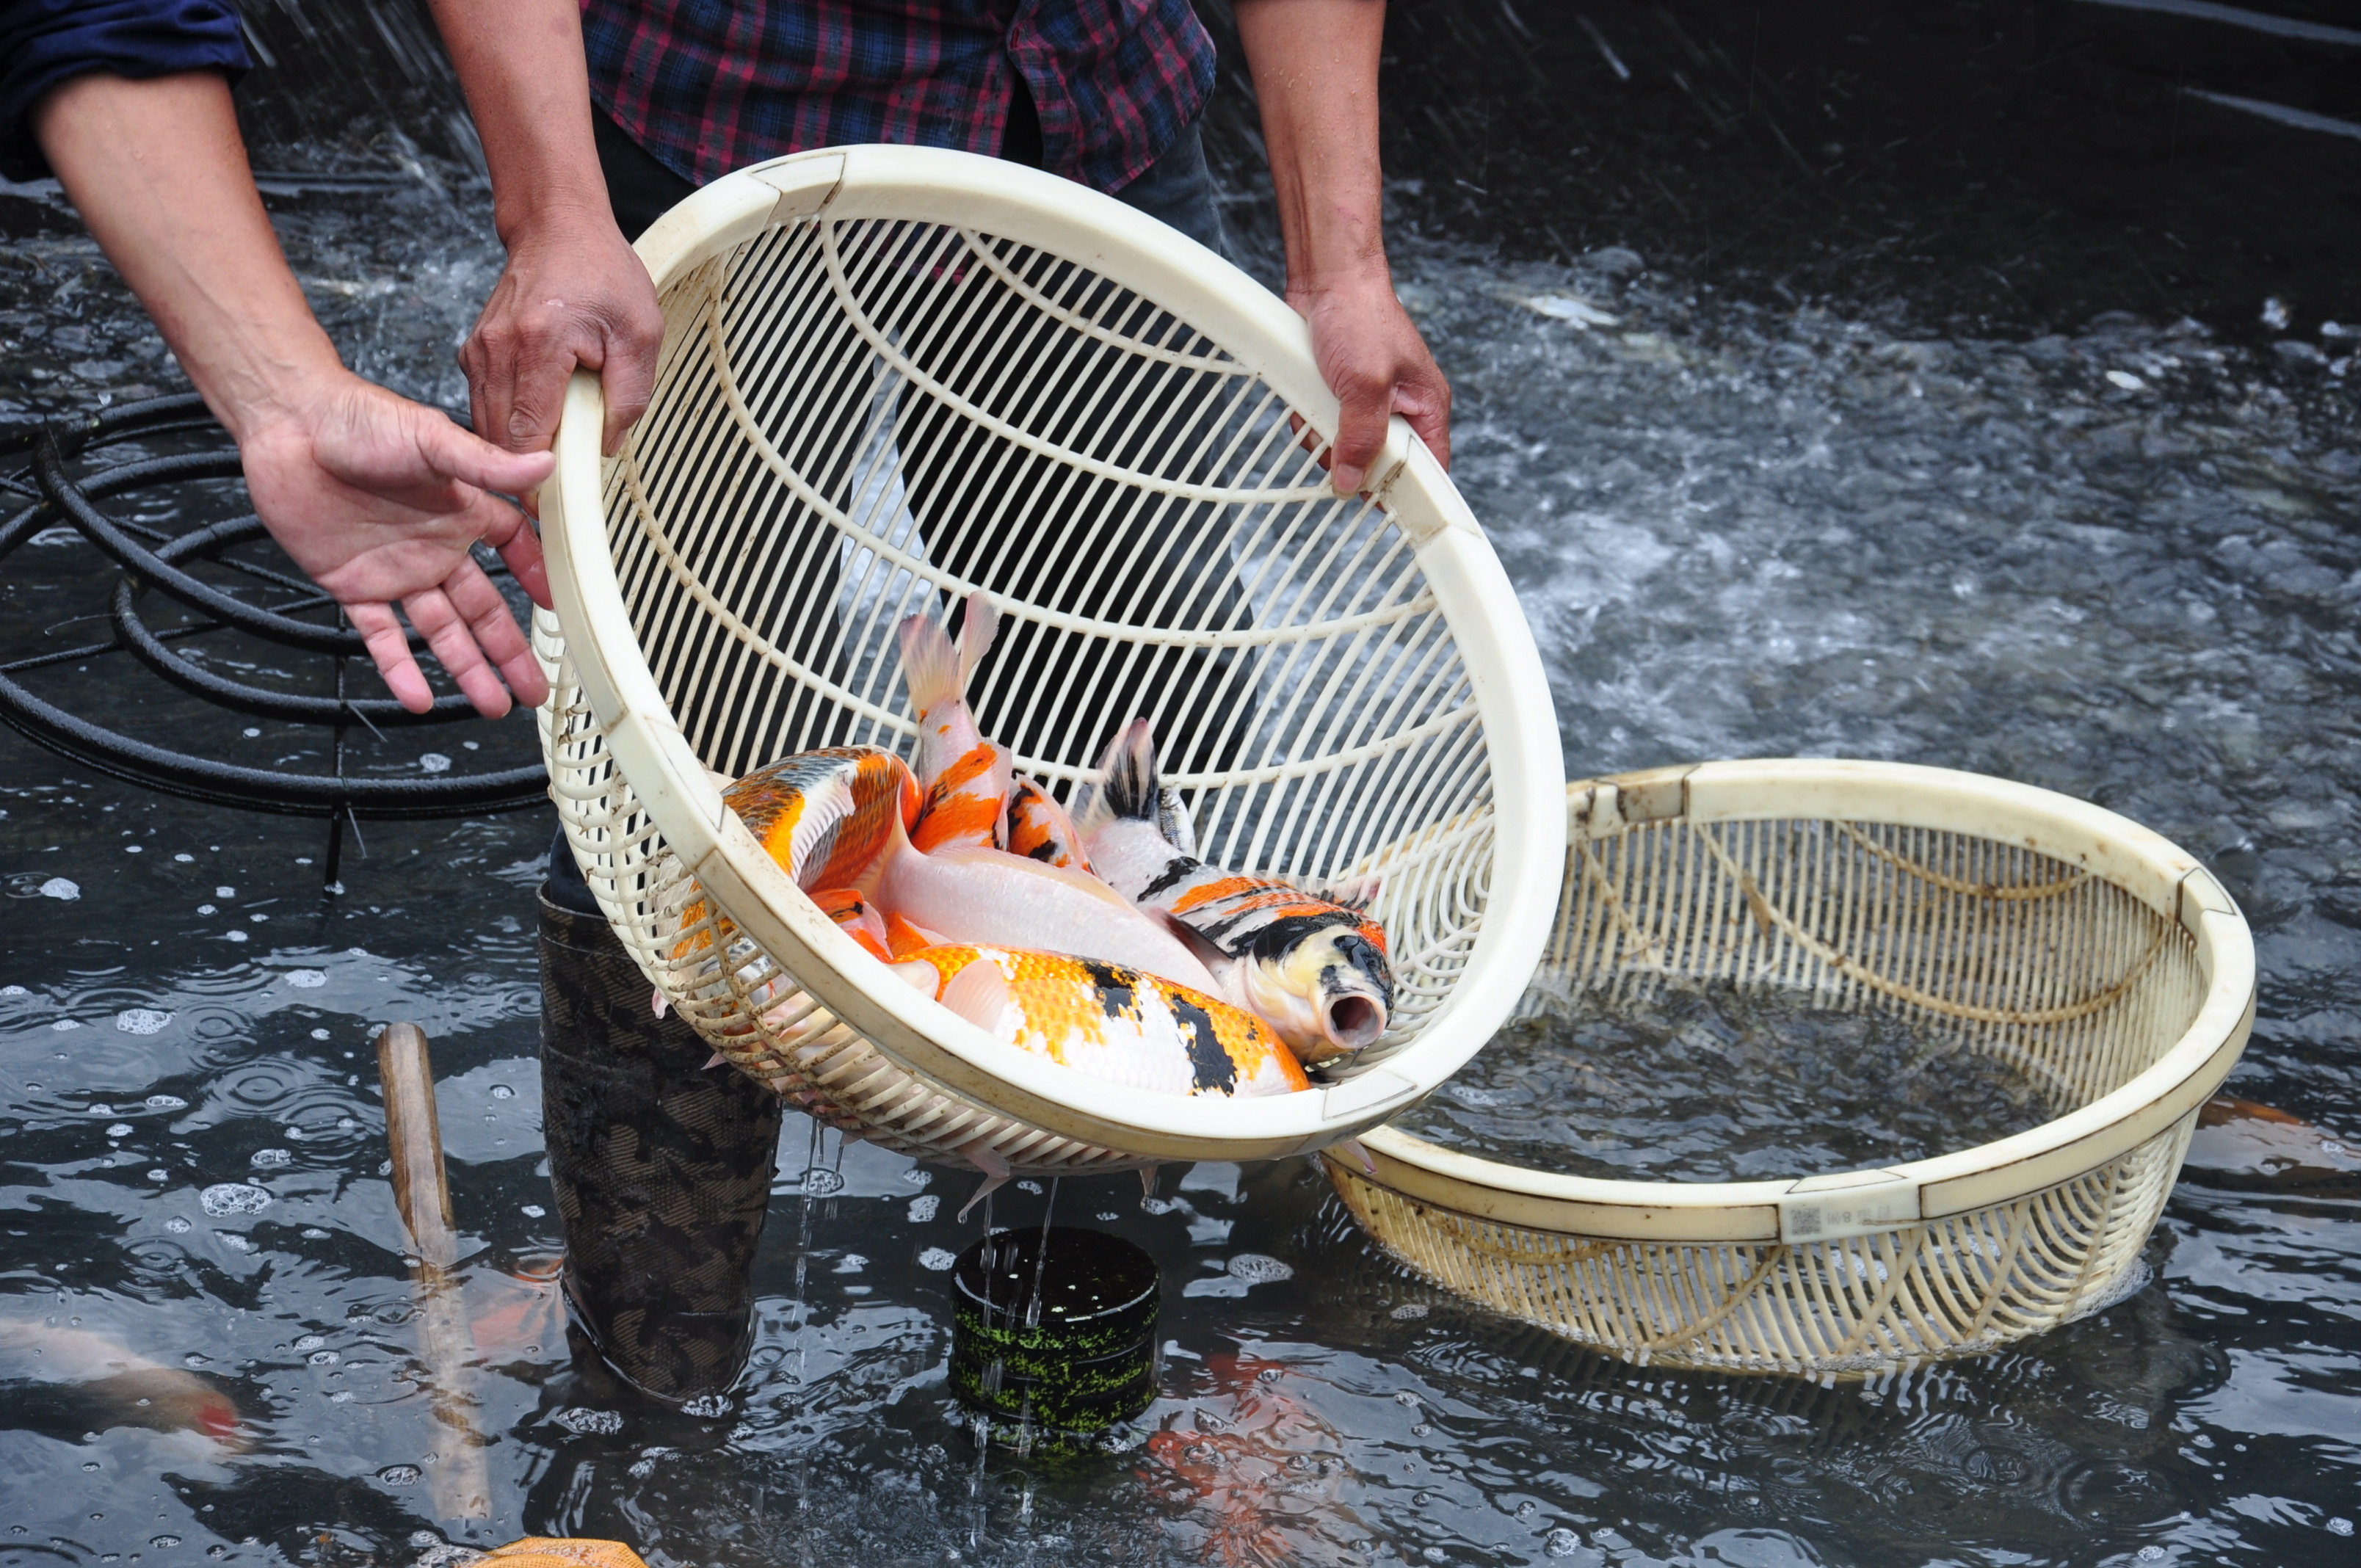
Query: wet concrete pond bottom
point(2114, 555)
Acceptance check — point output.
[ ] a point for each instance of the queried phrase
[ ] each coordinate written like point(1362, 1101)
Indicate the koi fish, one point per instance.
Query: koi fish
point(564, 1551)
point(858, 919)
point(517, 1314)
point(1110, 1022)
point(827, 817)
point(2241, 1145)
point(840, 819)
point(101, 1382)
point(1039, 830)
point(1263, 1479)
point(966, 776)
point(1313, 967)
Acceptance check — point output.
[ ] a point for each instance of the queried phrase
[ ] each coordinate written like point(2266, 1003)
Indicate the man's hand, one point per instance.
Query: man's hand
point(1378, 365)
point(380, 501)
point(574, 293)
point(1315, 72)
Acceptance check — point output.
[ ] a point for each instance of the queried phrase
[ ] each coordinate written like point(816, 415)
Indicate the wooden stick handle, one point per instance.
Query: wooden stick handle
point(461, 1481)
point(421, 1190)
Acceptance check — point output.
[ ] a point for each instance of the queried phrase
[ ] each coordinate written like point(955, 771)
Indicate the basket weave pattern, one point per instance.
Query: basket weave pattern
point(2070, 981)
point(860, 417)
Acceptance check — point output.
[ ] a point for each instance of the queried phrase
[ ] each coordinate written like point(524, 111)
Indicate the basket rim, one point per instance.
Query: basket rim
point(1505, 676)
point(1867, 1201)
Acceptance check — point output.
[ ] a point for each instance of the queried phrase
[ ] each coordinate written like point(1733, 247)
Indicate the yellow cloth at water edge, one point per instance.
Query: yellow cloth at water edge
point(549, 1552)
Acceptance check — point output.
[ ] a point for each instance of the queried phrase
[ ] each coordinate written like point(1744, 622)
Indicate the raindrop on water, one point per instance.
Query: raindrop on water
point(1561, 1542)
point(936, 1259)
point(435, 762)
point(177, 1225)
point(1258, 1268)
point(120, 1130)
point(167, 1103)
point(59, 887)
point(535, 1211)
point(917, 1177)
point(141, 1020)
point(399, 1474)
point(310, 1341)
point(234, 936)
point(319, 1034)
point(224, 1199)
point(579, 1419)
point(266, 1157)
point(502, 1092)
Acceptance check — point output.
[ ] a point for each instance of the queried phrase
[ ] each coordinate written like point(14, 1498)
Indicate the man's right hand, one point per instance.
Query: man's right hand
point(574, 295)
point(380, 502)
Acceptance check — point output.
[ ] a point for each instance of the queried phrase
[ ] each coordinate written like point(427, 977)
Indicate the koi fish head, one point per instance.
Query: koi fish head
point(1327, 994)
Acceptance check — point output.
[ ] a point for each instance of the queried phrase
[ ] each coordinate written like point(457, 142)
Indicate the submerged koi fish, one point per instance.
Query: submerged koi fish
point(1314, 969)
point(966, 776)
point(1259, 1472)
point(1039, 830)
point(1110, 1022)
point(840, 819)
point(96, 1381)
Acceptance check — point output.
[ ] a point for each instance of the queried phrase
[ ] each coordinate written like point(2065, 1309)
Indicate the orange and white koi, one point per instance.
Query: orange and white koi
point(1256, 1469)
point(1039, 830)
point(966, 776)
point(1108, 1020)
point(840, 819)
point(1313, 967)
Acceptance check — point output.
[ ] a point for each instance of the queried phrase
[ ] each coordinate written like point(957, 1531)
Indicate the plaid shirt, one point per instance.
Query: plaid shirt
point(707, 86)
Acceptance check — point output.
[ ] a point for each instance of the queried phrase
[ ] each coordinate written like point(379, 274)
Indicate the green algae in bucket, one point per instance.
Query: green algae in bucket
point(1053, 1332)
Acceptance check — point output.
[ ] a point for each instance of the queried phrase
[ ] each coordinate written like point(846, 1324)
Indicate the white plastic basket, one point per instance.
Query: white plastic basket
point(2083, 950)
point(894, 375)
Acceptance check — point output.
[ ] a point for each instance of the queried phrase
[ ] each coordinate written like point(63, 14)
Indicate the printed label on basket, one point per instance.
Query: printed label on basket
point(1830, 1208)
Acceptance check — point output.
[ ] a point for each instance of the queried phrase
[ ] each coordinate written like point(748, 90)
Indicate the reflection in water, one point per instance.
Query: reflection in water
point(2114, 555)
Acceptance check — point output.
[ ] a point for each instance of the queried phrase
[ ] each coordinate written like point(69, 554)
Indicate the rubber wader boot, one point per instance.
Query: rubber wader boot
point(661, 1167)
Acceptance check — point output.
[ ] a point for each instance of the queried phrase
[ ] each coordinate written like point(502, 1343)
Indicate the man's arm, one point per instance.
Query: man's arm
point(574, 293)
point(377, 498)
point(1315, 71)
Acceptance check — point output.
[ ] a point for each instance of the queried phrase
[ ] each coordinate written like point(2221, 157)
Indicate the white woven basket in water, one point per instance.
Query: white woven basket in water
point(892, 377)
point(2078, 947)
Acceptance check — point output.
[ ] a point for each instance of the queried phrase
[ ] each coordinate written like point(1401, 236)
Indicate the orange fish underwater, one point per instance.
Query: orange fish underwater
point(1264, 1484)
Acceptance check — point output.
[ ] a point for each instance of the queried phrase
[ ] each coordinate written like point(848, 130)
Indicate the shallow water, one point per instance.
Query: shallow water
point(1739, 528)
point(1716, 1082)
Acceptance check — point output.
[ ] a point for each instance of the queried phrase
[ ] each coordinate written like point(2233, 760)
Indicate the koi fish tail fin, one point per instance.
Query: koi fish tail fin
point(977, 629)
point(985, 1159)
point(1126, 788)
point(929, 663)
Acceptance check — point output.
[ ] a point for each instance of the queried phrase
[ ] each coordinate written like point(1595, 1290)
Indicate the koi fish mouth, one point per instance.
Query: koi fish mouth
point(1353, 1023)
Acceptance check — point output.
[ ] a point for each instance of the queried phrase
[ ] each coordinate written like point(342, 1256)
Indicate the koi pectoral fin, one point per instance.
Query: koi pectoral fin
point(980, 995)
point(985, 1159)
